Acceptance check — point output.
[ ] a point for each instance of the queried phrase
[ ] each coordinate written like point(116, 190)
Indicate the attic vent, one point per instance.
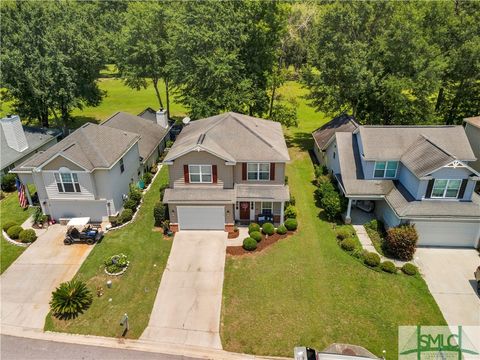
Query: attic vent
point(68, 147)
point(200, 139)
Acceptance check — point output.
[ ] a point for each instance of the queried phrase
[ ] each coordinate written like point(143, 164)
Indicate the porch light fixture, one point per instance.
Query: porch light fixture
point(251, 205)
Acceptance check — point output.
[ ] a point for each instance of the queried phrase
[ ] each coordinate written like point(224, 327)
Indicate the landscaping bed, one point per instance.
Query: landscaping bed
point(265, 243)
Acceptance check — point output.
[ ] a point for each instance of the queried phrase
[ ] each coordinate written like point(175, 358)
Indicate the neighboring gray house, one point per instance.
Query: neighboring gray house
point(413, 174)
point(472, 128)
point(19, 142)
point(224, 169)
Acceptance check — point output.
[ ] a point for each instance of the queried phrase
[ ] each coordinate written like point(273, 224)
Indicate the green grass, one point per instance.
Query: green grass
point(10, 210)
point(305, 290)
point(133, 292)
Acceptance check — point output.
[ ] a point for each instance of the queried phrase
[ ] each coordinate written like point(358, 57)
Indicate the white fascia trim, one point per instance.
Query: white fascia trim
point(198, 148)
point(39, 168)
point(463, 165)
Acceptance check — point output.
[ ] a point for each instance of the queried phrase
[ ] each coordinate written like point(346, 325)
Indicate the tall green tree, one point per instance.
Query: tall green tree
point(51, 58)
point(142, 52)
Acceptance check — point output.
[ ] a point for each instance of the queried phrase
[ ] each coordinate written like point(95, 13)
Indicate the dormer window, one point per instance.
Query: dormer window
point(385, 169)
point(446, 188)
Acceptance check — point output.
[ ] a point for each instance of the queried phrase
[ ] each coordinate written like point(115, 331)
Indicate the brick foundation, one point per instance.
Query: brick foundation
point(174, 228)
point(229, 227)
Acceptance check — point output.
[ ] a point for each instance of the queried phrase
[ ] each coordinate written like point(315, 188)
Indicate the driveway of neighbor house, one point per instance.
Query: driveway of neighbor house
point(27, 285)
point(449, 276)
point(189, 300)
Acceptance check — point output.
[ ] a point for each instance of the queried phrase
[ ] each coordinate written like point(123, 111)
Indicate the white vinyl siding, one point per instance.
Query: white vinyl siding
point(84, 180)
point(443, 188)
point(200, 173)
point(385, 169)
point(258, 171)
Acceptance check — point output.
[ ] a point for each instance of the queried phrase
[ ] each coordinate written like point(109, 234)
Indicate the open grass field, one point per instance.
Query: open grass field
point(306, 291)
point(133, 292)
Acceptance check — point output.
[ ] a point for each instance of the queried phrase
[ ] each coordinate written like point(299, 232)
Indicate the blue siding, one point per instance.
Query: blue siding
point(384, 212)
point(410, 181)
point(452, 173)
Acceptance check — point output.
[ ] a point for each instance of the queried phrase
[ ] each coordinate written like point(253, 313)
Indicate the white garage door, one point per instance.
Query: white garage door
point(201, 217)
point(447, 233)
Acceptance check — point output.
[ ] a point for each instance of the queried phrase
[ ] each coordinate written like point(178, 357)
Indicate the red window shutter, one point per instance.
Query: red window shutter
point(185, 174)
point(244, 171)
point(272, 171)
point(214, 173)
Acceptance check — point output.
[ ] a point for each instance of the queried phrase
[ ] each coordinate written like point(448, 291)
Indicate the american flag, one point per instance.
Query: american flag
point(22, 197)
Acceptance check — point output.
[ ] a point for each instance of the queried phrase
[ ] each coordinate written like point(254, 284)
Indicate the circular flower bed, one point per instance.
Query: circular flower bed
point(116, 264)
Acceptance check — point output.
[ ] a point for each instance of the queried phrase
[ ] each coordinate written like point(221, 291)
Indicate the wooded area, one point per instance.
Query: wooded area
point(385, 62)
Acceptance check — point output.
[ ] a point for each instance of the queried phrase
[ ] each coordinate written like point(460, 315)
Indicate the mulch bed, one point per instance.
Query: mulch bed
point(265, 243)
point(233, 234)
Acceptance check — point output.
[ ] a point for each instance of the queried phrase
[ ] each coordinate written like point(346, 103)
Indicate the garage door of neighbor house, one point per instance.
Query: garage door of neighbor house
point(201, 217)
point(447, 233)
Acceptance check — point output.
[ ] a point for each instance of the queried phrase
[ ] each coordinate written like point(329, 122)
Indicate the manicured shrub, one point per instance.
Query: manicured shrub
point(8, 224)
point(253, 227)
point(324, 189)
point(154, 169)
point(348, 244)
point(401, 242)
point(70, 299)
point(388, 267)
point(256, 235)
point(114, 220)
point(320, 170)
point(291, 224)
point(249, 244)
point(160, 213)
point(343, 234)
point(127, 215)
point(371, 259)
point(37, 215)
point(135, 195)
point(8, 182)
point(147, 178)
point(292, 201)
point(409, 269)
point(331, 204)
point(281, 230)
point(27, 236)
point(14, 231)
point(323, 179)
point(291, 212)
point(375, 224)
point(268, 228)
point(130, 204)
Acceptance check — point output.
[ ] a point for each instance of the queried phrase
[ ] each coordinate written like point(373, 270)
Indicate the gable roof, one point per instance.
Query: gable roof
point(151, 134)
point(90, 146)
point(424, 156)
point(324, 134)
point(36, 137)
point(474, 121)
point(233, 137)
point(391, 142)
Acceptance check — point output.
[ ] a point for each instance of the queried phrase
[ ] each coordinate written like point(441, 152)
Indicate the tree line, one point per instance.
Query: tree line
point(386, 62)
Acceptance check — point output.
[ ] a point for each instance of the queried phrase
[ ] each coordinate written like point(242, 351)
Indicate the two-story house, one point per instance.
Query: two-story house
point(412, 174)
point(227, 169)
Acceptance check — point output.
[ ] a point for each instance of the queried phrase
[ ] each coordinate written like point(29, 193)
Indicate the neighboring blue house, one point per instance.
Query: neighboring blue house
point(412, 174)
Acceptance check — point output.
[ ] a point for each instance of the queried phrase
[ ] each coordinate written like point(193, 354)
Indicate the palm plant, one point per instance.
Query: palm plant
point(70, 299)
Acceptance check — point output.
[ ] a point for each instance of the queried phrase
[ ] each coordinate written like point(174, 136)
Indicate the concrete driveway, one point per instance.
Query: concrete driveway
point(27, 285)
point(449, 276)
point(189, 300)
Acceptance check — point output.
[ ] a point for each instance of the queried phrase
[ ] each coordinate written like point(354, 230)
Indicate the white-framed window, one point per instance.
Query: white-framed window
point(443, 188)
point(258, 171)
point(385, 169)
point(200, 173)
point(122, 166)
point(67, 182)
point(267, 207)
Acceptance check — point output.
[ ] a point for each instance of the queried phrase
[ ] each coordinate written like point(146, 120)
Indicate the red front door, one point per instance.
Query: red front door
point(244, 210)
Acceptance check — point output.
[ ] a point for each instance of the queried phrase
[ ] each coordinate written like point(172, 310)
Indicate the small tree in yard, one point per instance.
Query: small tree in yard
point(331, 204)
point(70, 299)
point(160, 213)
point(401, 242)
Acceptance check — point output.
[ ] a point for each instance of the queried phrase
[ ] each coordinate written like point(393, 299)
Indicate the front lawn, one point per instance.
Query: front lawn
point(133, 292)
point(305, 290)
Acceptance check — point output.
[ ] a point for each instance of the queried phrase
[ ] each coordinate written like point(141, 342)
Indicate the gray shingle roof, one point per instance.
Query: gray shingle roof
point(272, 192)
point(151, 134)
point(391, 142)
point(203, 195)
point(342, 123)
point(90, 146)
point(149, 114)
point(36, 137)
point(233, 137)
point(424, 156)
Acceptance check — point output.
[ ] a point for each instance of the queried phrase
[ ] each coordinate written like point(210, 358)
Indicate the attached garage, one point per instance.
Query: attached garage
point(201, 217)
point(433, 233)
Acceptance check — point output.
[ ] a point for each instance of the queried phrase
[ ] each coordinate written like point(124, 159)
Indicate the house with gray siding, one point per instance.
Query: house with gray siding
point(421, 175)
point(227, 169)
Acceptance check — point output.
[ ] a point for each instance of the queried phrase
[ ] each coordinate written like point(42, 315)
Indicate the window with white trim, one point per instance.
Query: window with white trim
point(443, 188)
point(267, 207)
point(200, 173)
point(258, 171)
point(385, 169)
point(67, 182)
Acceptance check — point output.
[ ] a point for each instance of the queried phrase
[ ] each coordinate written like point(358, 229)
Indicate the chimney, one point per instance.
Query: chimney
point(14, 134)
point(162, 118)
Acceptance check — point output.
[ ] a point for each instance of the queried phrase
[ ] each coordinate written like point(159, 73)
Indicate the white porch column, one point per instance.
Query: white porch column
point(282, 215)
point(27, 192)
point(348, 218)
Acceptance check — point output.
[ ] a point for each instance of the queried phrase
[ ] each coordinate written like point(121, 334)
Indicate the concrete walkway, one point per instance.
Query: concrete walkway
point(27, 285)
point(189, 300)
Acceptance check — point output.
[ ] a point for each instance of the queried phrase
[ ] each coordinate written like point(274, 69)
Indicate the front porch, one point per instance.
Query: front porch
point(249, 211)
